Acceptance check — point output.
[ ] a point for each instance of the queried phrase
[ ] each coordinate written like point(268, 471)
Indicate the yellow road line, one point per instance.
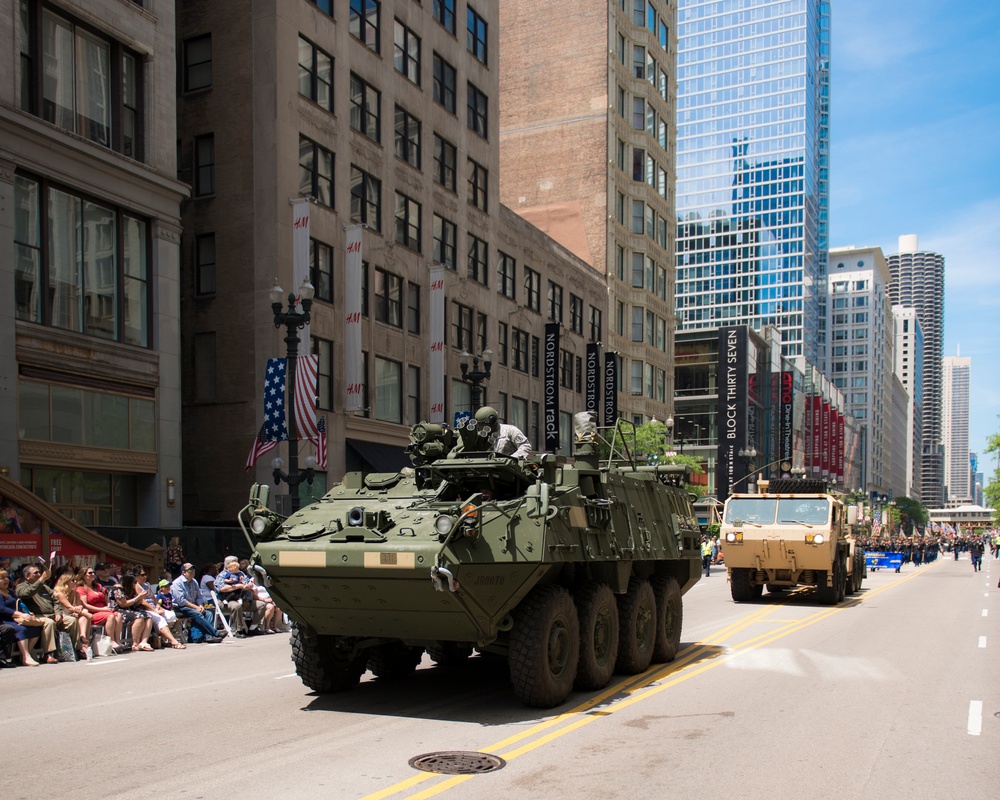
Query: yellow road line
point(639, 687)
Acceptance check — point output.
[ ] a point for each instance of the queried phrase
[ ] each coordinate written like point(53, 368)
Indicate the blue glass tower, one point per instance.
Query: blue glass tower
point(752, 167)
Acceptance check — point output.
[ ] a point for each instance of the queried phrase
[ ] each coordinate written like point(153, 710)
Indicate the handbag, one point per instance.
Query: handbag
point(65, 651)
point(102, 645)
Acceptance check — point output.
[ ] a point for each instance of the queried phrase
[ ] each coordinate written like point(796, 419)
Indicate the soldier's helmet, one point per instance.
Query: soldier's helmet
point(488, 415)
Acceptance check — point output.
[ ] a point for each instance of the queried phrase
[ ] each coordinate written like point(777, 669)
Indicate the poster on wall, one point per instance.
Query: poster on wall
point(732, 411)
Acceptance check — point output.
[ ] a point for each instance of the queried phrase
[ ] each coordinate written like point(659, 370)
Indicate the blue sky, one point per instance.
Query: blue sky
point(915, 148)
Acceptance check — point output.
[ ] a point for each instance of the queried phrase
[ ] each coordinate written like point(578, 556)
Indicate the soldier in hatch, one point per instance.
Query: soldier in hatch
point(510, 440)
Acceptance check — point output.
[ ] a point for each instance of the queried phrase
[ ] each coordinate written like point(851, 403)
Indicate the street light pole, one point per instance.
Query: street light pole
point(293, 321)
point(474, 376)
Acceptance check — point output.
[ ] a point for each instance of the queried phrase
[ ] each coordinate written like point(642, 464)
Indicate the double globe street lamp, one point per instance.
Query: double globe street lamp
point(475, 376)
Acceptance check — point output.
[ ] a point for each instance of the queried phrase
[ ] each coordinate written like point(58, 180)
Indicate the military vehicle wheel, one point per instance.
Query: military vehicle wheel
point(325, 663)
point(669, 616)
point(449, 654)
point(739, 585)
point(544, 647)
point(393, 660)
point(636, 627)
point(757, 590)
point(598, 614)
point(840, 577)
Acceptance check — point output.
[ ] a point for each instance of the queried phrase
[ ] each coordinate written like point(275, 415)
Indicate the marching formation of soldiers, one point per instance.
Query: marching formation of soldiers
point(915, 549)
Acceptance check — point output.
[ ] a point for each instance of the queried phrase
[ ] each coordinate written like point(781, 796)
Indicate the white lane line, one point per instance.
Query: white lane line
point(282, 677)
point(986, 612)
point(982, 641)
point(975, 717)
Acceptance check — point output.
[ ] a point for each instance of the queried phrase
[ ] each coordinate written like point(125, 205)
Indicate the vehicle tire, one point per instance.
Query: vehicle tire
point(840, 577)
point(636, 627)
point(449, 654)
point(669, 618)
point(757, 590)
point(393, 660)
point(544, 647)
point(598, 614)
point(739, 585)
point(326, 663)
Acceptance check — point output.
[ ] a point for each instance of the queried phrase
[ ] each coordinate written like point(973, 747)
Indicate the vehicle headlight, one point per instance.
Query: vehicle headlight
point(444, 524)
point(258, 525)
point(730, 537)
point(819, 538)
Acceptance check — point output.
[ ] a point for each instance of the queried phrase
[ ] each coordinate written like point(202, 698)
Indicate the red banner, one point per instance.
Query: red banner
point(816, 434)
point(839, 437)
point(825, 422)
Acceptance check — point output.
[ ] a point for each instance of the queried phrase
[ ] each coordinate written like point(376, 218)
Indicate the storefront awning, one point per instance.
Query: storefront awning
point(377, 457)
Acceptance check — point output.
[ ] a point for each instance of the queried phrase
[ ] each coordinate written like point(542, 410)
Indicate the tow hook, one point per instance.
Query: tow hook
point(441, 574)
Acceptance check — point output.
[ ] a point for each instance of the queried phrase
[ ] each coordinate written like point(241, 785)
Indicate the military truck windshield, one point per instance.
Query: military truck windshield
point(814, 511)
point(758, 510)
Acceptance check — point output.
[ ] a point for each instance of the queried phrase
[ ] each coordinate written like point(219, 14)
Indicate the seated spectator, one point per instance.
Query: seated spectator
point(206, 583)
point(95, 600)
point(126, 598)
point(104, 576)
point(68, 602)
point(38, 598)
point(156, 613)
point(185, 603)
point(26, 628)
point(272, 614)
point(236, 595)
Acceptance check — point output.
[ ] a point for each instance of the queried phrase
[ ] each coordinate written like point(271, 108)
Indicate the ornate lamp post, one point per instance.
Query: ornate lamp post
point(748, 454)
point(293, 320)
point(474, 376)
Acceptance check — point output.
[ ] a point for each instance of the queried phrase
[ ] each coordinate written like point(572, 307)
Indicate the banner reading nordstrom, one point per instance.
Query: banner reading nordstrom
point(551, 387)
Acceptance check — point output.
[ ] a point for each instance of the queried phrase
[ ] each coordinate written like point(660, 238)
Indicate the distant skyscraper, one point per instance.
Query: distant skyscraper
point(752, 167)
point(918, 282)
point(908, 354)
point(956, 372)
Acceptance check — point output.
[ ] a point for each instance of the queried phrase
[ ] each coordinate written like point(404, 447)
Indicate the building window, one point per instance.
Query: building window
point(413, 395)
point(198, 62)
point(323, 349)
point(204, 264)
point(315, 74)
point(365, 22)
point(475, 40)
point(478, 258)
point(388, 298)
point(366, 108)
point(366, 198)
point(82, 82)
point(412, 308)
point(478, 108)
point(566, 369)
point(638, 113)
point(506, 274)
point(596, 324)
point(445, 157)
point(503, 331)
point(204, 165)
point(482, 339)
point(445, 234)
point(315, 172)
point(96, 284)
point(520, 343)
point(576, 313)
point(406, 52)
point(479, 178)
point(408, 222)
point(461, 326)
point(321, 269)
point(444, 13)
point(555, 302)
point(388, 390)
point(407, 137)
point(637, 317)
point(638, 61)
point(444, 83)
point(638, 216)
point(533, 289)
point(326, 6)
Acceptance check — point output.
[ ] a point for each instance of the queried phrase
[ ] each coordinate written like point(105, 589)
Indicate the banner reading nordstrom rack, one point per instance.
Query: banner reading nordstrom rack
point(353, 358)
point(436, 389)
point(594, 379)
point(551, 386)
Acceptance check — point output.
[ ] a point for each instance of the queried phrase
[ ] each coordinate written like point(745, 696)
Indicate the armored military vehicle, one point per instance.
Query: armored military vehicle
point(794, 533)
point(571, 569)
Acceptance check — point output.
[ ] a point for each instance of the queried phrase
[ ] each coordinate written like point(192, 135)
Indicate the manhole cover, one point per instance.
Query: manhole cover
point(457, 762)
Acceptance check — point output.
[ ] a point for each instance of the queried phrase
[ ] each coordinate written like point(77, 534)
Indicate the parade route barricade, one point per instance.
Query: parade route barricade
point(883, 560)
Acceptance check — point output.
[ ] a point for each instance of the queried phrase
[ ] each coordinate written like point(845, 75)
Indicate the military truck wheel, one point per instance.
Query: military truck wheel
point(393, 660)
point(325, 663)
point(636, 627)
point(739, 585)
point(757, 590)
point(669, 616)
point(449, 654)
point(544, 647)
point(598, 615)
point(840, 577)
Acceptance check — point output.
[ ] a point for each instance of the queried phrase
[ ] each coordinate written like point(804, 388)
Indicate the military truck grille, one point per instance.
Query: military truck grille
point(456, 762)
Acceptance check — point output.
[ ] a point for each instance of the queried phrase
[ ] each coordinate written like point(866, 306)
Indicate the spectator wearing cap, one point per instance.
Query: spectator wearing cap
point(184, 597)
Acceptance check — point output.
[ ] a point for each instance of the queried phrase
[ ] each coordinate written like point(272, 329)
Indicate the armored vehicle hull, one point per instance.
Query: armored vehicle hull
point(571, 569)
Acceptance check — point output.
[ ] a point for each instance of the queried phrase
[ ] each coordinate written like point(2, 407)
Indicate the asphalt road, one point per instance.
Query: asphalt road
point(894, 693)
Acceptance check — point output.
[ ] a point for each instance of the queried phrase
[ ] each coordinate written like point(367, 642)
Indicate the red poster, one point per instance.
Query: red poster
point(825, 422)
point(839, 437)
point(816, 434)
point(71, 551)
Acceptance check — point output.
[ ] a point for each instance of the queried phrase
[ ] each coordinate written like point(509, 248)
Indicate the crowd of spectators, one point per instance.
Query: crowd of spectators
point(64, 613)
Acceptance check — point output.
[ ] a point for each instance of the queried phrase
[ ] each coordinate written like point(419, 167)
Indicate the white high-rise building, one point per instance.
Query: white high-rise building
point(956, 372)
point(908, 364)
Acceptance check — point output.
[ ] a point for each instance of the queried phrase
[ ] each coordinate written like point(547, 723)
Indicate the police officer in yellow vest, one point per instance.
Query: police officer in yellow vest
point(706, 555)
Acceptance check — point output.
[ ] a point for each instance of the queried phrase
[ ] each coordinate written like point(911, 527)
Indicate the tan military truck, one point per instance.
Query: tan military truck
point(792, 533)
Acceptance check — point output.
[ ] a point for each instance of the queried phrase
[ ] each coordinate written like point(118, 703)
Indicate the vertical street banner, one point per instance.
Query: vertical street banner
point(353, 358)
point(550, 386)
point(594, 379)
point(838, 450)
point(610, 389)
point(753, 399)
point(436, 365)
point(730, 471)
point(824, 420)
point(786, 417)
point(816, 434)
point(300, 254)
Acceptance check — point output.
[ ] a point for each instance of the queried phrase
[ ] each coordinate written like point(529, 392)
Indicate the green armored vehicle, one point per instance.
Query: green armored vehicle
point(572, 569)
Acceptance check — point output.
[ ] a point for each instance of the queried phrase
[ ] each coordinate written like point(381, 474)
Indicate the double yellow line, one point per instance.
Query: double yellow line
point(707, 654)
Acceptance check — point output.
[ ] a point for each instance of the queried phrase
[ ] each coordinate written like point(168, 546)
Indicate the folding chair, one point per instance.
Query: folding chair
point(220, 615)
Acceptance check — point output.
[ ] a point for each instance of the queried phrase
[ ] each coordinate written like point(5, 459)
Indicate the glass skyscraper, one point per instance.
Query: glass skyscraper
point(752, 167)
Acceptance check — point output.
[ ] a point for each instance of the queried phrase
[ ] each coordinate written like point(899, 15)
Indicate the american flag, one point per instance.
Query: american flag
point(274, 429)
point(321, 444)
point(306, 371)
point(876, 521)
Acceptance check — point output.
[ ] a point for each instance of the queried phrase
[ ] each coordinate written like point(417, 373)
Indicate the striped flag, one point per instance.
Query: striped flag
point(274, 429)
point(321, 444)
point(306, 376)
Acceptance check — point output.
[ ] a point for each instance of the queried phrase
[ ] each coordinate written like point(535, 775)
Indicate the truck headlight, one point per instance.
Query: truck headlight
point(444, 524)
point(258, 525)
point(816, 539)
point(734, 537)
